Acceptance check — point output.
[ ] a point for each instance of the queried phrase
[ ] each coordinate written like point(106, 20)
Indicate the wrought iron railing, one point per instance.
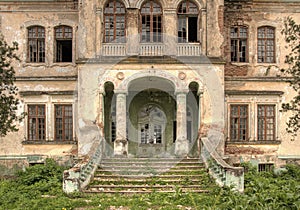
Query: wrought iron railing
point(223, 173)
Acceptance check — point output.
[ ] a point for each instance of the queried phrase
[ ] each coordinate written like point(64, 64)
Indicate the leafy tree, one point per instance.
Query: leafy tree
point(291, 32)
point(8, 91)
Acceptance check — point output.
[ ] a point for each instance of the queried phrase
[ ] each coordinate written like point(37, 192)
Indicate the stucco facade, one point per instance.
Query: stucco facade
point(127, 71)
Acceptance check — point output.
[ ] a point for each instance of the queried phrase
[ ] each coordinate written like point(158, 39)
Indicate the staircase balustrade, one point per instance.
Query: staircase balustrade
point(79, 176)
point(223, 173)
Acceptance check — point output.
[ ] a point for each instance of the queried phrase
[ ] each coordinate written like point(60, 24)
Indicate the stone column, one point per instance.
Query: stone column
point(100, 117)
point(120, 144)
point(181, 145)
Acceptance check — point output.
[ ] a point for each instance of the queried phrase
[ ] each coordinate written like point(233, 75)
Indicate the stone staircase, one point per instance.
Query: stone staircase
point(146, 175)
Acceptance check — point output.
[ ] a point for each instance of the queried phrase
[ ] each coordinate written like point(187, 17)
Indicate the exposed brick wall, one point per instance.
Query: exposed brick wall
point(232, 70)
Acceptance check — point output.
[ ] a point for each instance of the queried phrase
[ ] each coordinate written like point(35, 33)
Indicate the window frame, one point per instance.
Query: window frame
point(37, 117)
point(265, 123)
point(38, 41)
point(185, 16)
point(151, 15)
point(264, 54)
point(238, 133)
point(239, 40)
point(63, 117)
point(64, 37)
point(115, 16)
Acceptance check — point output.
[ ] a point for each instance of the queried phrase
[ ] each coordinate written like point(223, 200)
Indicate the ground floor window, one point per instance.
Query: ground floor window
point(36, 122)
point(63, 122)
point(266, 122)
point(238, 122)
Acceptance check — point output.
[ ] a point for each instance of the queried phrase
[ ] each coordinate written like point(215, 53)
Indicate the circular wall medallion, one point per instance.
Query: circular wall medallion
point(182, 75)
point(120, 75)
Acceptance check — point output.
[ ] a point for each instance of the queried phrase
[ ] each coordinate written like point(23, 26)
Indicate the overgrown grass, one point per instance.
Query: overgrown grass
point(40, 187)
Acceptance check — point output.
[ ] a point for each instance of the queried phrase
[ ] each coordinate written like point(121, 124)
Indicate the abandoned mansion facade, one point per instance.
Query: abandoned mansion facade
point(151, 77)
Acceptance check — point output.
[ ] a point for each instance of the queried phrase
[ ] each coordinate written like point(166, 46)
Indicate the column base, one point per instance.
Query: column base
point(120, 148)
point(181, 147)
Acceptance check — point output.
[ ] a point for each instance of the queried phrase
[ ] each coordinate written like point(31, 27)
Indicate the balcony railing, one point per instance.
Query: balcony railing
point(114, 49)
point(151, 49)
point(188, 49)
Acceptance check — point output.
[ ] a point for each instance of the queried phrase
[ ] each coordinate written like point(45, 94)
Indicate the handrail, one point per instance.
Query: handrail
point(79, 176)
point(224, 174)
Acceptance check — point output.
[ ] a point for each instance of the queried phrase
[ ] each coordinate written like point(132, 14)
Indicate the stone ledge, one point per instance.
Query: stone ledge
point(253, 142)
point(43, 142)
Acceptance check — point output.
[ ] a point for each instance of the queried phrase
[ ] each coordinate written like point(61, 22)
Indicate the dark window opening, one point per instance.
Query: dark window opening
point(63, 38)
point(174, 131)
point(187, 22)
point(265, 167)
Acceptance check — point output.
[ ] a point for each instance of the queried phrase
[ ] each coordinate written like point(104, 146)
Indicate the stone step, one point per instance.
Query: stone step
point(146, 175)
point(144, 188)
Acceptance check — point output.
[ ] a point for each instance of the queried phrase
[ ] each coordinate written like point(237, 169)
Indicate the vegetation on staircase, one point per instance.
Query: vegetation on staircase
point(146, 175)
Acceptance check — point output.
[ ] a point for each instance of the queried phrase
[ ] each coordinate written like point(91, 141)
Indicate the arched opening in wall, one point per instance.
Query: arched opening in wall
point(151, 106)
point(109, 113)
point(192, 118)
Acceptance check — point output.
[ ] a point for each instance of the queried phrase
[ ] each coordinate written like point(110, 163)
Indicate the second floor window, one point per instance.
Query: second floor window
point(266, 45)
point(36, 44)
point(36, 122)
point(114, 22)
point(63, 123)
point(238, 44)
point(63, 39)
point(151, 22)
point(187, 22)
point(266, 122)
point(239, 122)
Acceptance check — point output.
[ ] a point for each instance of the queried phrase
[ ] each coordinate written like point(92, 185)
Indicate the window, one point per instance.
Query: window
point(36, 122)
point(265, 167)
point(187, 22)
point(63, 39)
point(238, 122)
point(36, 44)
point(266, 122)
point(151, 22)
point(114, 21)
point(238, 44)
point(63, 123)
point(266, 44)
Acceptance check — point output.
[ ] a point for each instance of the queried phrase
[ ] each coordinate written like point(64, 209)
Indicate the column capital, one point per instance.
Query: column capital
point(120, 92)
point(181, 92)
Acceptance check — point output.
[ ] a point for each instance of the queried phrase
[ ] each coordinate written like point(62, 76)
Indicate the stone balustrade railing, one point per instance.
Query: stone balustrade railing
point(223, 173)
point(79, 176)
point(188, 49)
point(152, 49)
point(113, 49)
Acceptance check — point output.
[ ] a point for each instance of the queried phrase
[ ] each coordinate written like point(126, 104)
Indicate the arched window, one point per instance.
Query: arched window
point(63, 43)
point(187, 22)
point(266, 44)
point(151, 22)
point(114, 22)
point(36, 44)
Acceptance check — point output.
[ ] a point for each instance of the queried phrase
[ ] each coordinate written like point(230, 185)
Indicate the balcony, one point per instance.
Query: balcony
point(151, 49)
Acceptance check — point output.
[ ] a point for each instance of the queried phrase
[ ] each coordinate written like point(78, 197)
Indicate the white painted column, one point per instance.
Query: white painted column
point(101, 113)
point(181, 144)
point(120, 144)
